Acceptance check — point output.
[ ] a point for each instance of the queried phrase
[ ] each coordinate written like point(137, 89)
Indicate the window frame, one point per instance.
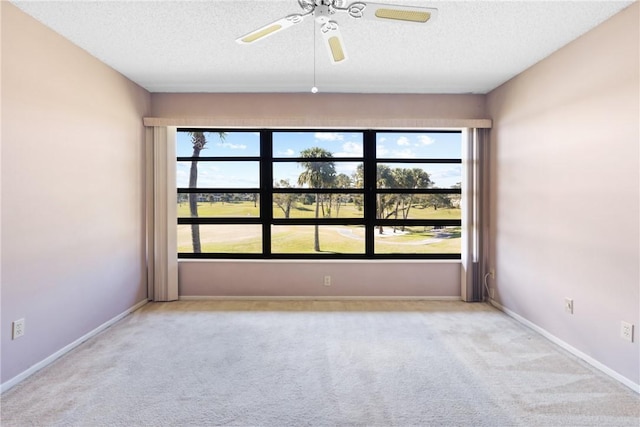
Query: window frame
point(369, 191)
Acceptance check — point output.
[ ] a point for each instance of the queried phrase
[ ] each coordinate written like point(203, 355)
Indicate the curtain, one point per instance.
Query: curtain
point(475, 213)
point(162, 262)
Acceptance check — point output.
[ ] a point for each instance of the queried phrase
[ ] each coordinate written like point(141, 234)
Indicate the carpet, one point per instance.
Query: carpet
point(319, 363)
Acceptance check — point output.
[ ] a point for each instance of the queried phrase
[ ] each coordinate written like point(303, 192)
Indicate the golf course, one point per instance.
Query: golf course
point(289, 239)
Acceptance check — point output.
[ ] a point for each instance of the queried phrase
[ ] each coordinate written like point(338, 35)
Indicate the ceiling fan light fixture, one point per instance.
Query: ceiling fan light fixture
point(403, 15)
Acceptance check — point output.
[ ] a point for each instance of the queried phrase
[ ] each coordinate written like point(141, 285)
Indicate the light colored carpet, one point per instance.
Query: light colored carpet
point(319, 363)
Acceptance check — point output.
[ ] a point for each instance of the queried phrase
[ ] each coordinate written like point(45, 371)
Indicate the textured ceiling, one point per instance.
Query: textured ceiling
point(189, 46)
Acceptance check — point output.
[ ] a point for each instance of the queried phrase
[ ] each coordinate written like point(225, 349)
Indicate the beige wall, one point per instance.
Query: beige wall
point(320, 110)
point(73, 253)
point(305, 278)
point(565, 192)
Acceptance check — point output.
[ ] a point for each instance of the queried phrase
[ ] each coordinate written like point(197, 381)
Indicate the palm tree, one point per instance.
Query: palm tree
point(317, 174)
point(199, 141)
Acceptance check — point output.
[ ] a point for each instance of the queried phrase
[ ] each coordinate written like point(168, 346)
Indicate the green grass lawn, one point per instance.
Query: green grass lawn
point(299, 239)
point(220, 209)
point(289, 239)
point(309, 211)
point(244, 209)
point(333, 239)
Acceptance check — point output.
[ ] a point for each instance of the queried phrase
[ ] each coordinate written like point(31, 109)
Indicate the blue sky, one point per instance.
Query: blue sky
point(290, 144)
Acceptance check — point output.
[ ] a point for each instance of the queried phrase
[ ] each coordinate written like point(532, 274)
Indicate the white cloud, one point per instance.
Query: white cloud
point(232, 146)
point(234, 181)
point(182, 176)
point(209, 175)
point(350, 149)
point(426, 140)
point(346, 168)
point(453, 172)
point(381, 151)
point(287, 153)
point(446, 177)
point(328, 136)
point(382, 139)
point(403, 140)
point(404, 154)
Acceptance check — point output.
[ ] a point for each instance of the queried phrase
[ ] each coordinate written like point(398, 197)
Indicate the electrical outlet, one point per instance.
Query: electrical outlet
point(18, 328)
point(568, 305)
point(492, 273)
point(327, 280)
point(626, 331)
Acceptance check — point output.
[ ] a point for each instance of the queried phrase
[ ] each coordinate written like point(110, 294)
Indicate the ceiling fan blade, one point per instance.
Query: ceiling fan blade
point(272, 28)
point(333, 40)
point(391, 12)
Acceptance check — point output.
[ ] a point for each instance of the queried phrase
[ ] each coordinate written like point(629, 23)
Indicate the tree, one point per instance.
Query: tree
point(199, 141)
point(456, 199)
point(358, 182)
point(384, 202)
point(388, 205)
point(403, 178)
point(317, 174)
point(284, 200)
point(342, 181)
point(418, 178)
point(440, 201)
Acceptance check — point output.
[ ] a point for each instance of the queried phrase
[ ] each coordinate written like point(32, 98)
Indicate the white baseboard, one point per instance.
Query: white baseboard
point(590, 360)
point(314, 298)
point(35, 368)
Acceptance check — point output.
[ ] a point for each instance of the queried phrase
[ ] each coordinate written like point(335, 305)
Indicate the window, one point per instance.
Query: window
point(319, 194)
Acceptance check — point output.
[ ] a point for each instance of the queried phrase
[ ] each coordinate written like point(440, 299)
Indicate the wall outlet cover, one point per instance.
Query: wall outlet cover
point(568, 305)
point(626, 331)
point(17, 329)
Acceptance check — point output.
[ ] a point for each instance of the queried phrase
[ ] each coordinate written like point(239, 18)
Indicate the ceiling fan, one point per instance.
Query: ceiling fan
point(324, 10)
